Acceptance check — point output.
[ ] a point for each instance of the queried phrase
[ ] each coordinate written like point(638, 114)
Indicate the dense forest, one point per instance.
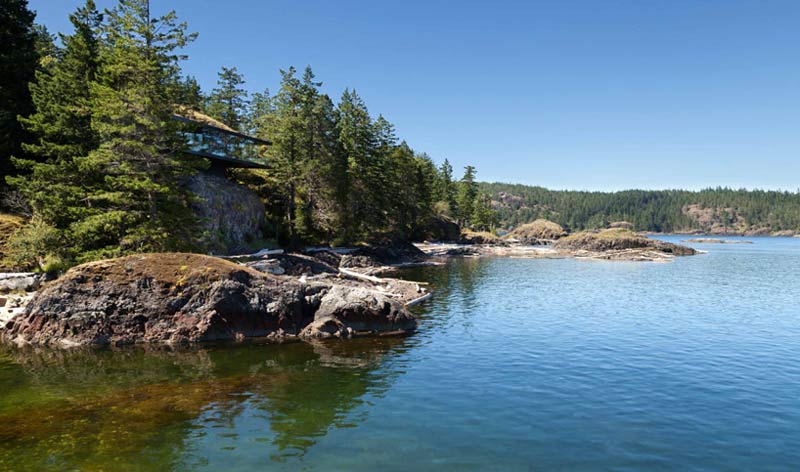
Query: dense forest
point(715, 210)
point(93, 160)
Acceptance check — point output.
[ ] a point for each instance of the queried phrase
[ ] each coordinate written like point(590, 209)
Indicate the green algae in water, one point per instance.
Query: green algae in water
point(135, 409)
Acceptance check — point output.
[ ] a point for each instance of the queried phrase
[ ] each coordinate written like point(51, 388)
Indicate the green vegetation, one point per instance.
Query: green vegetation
point(95, 161)
point(717, 210)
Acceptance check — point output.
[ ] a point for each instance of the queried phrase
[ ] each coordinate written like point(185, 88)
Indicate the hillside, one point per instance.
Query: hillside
point(714, 211)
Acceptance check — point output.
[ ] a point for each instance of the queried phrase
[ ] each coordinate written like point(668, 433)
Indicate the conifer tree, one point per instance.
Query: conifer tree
point(483, 217)
point(467, 192)
point(228, 101)
point(357, 139)
point(287, 130)
point(445, 188)
point(51, 181)
point(18, 64)
point(141, 151)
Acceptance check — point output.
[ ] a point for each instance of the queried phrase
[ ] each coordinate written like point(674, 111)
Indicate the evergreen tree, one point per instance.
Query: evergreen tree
point(483, 217)
point(358, 142)
point(228, 101)
point(467, 193)
point(54, 184)
point(445, 189)
point(18, 64)
point(187, 93)
point(141, 151)
point(317, 210)
point(286, 127)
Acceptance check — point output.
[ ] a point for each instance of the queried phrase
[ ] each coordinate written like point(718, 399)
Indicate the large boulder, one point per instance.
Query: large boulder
point(180, 298)
point(346, 311)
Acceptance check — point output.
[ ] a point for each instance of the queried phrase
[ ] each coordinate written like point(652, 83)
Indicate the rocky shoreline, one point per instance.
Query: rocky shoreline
point(319, 293)
point(186, 298)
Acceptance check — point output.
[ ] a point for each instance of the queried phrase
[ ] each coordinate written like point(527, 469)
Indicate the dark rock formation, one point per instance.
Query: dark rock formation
point(383, 253)
point(180, 298)
point(232, 215)
point(440, 229)
point(480, 237)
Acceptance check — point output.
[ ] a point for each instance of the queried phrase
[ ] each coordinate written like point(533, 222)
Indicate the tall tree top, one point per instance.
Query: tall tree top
point(228, 101)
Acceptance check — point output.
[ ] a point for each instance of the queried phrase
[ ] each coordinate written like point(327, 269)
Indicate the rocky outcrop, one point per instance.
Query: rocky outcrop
point(344, 311)
point(479, 237)
point(440, 228)
point(231, 215)
point(538, 232)
point(382, 253)
point(618, 239)
point(183, 298)
point(715, 241)
point(621, 225)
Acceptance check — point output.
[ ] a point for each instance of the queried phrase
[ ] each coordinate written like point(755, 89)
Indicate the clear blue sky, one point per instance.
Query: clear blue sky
point(591, 94)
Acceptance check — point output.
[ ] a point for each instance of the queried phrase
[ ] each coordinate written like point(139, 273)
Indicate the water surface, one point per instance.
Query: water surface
point(519, 364)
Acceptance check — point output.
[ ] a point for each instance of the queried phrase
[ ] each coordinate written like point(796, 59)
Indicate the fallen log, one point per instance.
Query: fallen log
point(359, 276)
point(419, 300)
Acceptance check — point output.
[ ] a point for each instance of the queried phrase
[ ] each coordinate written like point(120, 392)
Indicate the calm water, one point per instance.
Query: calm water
point(531, 365)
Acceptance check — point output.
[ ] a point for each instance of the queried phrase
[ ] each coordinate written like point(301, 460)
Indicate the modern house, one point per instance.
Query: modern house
point(232, 214)
point(223, 146)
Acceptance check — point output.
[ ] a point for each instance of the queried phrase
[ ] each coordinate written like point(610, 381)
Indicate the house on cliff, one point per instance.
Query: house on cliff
point(232, 215)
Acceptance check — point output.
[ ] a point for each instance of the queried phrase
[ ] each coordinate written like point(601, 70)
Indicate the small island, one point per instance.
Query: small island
point(716, 241)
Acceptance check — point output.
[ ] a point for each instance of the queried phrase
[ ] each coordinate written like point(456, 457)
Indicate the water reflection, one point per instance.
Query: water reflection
point(157, 408)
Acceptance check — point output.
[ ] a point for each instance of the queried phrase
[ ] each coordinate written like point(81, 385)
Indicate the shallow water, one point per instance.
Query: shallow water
point(519, 364)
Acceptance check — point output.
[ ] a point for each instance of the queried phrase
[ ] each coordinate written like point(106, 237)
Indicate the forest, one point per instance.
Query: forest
point(648, 210)
point(92, 160)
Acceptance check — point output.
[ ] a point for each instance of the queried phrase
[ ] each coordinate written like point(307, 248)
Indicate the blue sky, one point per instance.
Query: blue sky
point(589, 94)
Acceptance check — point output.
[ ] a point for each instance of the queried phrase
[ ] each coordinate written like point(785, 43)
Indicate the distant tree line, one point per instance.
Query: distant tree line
point(647, 210)
point(90, 153)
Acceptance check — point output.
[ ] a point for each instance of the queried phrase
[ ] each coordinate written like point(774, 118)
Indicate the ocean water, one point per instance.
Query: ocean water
point(518, 364)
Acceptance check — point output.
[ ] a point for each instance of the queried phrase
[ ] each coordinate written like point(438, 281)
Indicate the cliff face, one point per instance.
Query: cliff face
point(182, 298)
point(232, 215)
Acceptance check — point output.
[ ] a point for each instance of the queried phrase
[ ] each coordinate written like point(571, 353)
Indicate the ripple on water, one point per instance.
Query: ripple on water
point(519, 364)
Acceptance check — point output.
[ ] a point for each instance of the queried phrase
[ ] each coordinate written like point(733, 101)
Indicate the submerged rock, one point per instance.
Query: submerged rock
point(181, 298)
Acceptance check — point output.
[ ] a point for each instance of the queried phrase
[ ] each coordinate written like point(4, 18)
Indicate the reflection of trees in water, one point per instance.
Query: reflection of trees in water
point(455, 285)
point(139, 408)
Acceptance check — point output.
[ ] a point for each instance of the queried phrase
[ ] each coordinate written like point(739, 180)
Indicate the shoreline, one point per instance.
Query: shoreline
point(319, 293)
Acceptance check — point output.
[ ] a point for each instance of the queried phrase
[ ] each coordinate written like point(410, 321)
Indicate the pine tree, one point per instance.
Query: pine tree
point(483, 218)
point(18, 64)
point(53, 183)
point(445, 189)
point(287, 130)
point(141, 152)
point(228, 101)
point(467, 193)
point(187, 93)
point(358, 142)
